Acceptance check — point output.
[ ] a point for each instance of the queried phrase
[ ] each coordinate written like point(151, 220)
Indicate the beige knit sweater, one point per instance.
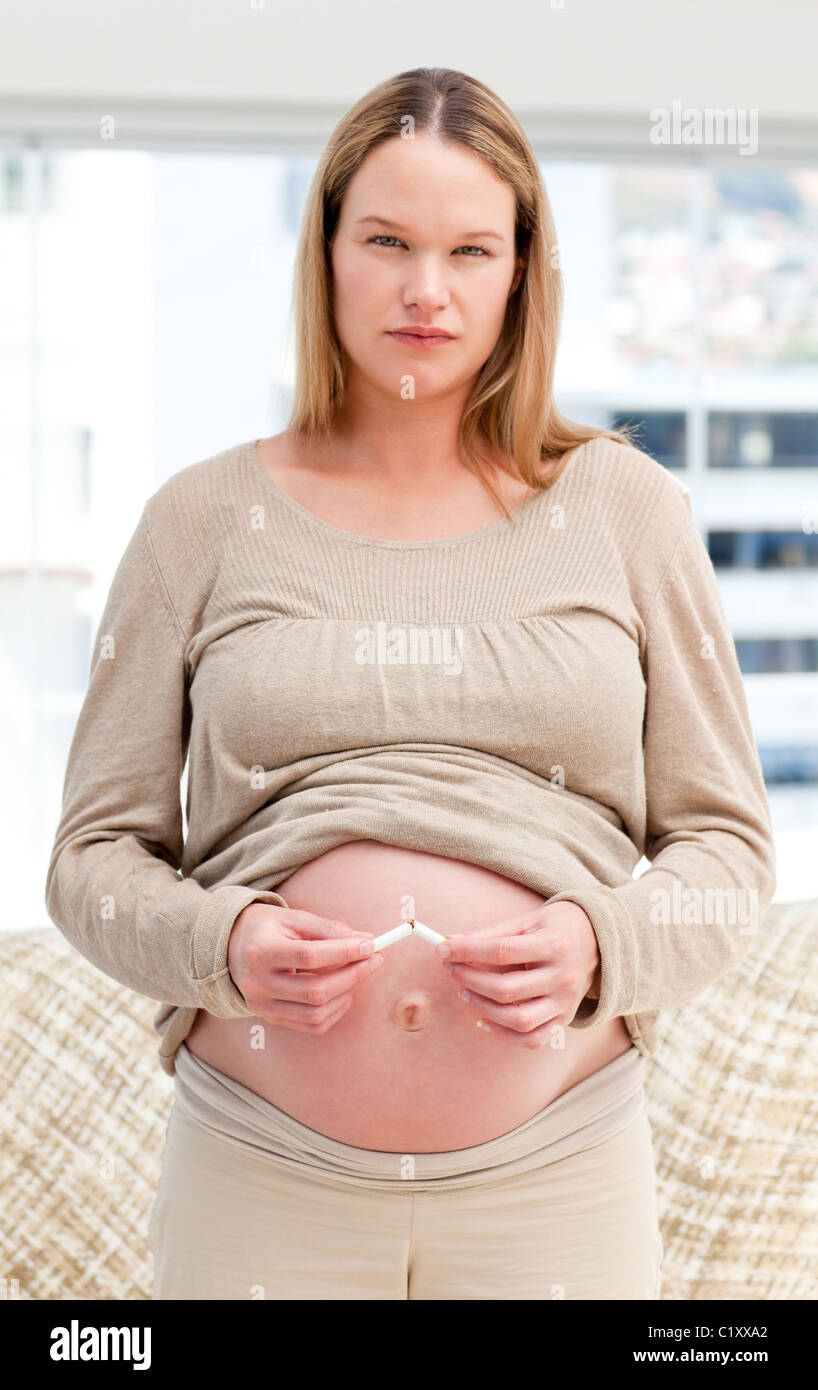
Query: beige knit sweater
point(550, 700)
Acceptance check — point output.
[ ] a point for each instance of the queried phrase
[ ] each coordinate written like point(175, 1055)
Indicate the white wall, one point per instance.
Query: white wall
point(64, 62)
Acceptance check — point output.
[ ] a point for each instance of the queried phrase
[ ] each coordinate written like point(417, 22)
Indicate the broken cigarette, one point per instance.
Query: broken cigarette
point(410, 928)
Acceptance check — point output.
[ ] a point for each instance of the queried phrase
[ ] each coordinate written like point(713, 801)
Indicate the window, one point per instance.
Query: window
point(763, 549)
point(660, 433)
point(763, 439)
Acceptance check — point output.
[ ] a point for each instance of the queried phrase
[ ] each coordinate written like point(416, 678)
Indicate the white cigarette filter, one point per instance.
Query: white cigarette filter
point(410, 928)
point(428, 934)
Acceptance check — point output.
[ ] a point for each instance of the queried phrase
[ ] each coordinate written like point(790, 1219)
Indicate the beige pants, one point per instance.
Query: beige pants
point(252, 1204)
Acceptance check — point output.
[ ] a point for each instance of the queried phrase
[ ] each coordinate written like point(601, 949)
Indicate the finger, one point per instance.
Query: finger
point(499, 949)
point(312, 926)
point(507, 986)
point(304, 1018)
point(509, 926)
point(317, 987)
point(288, 949)
point(525, 1017)
point(533, 1041)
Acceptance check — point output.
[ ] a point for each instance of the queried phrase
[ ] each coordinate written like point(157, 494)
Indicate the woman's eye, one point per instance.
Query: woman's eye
point(383, 236)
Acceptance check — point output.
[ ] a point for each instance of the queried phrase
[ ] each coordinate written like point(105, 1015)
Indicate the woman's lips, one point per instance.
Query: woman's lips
point(415, 339)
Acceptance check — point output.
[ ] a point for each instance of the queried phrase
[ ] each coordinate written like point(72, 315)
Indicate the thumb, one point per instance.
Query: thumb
point(509, 926)
point(312, 926)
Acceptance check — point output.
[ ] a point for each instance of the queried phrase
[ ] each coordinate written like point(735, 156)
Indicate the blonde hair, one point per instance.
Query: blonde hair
point(511, 403)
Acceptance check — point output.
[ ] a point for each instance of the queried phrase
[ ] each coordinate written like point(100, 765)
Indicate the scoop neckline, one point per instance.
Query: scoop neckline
point(251, 454)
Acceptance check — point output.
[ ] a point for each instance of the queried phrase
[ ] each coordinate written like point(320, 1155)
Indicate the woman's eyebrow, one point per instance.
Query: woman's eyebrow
point(398, 227)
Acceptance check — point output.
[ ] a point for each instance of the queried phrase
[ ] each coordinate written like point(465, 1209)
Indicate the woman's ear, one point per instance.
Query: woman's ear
point(518, 275)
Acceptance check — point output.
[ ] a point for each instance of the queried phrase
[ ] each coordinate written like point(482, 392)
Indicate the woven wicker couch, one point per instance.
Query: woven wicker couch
point(732, 1091)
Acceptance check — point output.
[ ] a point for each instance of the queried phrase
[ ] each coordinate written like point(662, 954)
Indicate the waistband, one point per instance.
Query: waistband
point(585, 1115)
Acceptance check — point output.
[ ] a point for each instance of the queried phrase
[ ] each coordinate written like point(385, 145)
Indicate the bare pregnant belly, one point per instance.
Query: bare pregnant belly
point(405, 1069)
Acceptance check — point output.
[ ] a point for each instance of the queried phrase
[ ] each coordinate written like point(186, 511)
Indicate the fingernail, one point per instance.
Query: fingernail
point(366, 947)
point(376, 961)
point(464, 994)
point(443, 951)
point(481, 1023)
point(448, 965)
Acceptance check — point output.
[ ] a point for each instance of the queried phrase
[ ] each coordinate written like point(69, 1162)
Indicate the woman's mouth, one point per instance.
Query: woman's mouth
point(418, 340)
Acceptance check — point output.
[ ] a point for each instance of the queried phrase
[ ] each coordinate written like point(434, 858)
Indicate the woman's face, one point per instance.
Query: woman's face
point(425, 236)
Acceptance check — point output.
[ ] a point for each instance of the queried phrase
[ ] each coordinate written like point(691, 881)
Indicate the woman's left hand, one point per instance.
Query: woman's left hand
point(526, 975)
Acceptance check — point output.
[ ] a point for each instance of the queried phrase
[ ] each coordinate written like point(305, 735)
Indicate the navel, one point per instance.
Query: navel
point(412, 1010)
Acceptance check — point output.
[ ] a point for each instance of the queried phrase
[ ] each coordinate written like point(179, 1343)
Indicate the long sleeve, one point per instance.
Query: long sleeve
point(665, 936)
point(113, 886)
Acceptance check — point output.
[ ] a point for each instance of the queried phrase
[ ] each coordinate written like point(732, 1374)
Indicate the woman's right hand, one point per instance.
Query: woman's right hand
point(270, 947)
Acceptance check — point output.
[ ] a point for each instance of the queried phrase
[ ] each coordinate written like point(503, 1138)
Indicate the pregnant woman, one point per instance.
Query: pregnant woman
point(434, 654)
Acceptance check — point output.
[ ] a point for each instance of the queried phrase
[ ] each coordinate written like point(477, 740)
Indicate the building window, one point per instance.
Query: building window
point(763, 439)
